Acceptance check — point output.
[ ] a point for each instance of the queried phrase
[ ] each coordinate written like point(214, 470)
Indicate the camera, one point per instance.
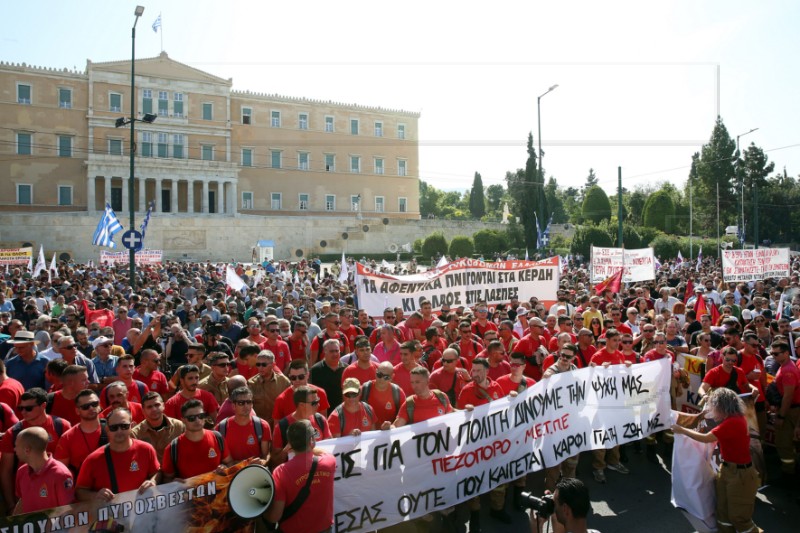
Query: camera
point(544, 506)
point(214, 328)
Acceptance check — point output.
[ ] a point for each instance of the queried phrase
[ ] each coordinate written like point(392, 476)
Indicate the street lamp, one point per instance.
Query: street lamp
point(741, 179)
point(539, 123)
point(131, 182)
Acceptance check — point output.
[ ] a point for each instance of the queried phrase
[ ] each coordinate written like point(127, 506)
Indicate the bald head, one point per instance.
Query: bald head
point(234, 382)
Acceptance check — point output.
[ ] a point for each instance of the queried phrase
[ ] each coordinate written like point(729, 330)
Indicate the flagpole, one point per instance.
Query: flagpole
point(161, 27)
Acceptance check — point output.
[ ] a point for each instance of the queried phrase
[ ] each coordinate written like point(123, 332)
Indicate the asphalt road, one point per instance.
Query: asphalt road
point(637, 502)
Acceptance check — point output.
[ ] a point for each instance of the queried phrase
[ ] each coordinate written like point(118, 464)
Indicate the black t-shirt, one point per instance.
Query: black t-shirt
point(330, 380)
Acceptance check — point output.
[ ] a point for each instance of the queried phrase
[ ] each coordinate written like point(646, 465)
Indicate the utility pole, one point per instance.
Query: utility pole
point(619, 207)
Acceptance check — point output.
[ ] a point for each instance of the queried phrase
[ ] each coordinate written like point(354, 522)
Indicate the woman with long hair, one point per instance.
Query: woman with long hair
point(596, 328)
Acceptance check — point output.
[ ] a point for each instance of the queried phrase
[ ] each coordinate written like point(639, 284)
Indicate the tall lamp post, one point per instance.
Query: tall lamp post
point(539, 123)
point(741, 178)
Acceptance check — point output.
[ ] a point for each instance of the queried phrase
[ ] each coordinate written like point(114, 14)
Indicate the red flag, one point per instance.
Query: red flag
point(689, 290)
point(611, 283)
point(714, 314)
point(700, 307)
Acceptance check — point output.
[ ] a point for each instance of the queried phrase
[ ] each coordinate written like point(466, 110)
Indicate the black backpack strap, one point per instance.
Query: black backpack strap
point(733, 382)
point(51, 396)
point(302, 496)
point(223, 427)
point(103, 433)
point(283, 425)
point(112, 475)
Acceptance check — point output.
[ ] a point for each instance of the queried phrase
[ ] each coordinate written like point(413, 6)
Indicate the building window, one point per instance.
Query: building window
point(208, 111)
point(303, 197)
point(64, 195)
point(355, 200)
point(177, 105)
point(275, 119)
point(330, 162)
point(147, 101)
point(24, 194)
point(302, 121)
point(247, 157)
point(380, 203)
point(275, 201)
point(247, 200)
point(330, 202)
point(353, 126)
point(401, 131)
point(64, 146)
point(23, 93)
point(115, 146)
point(115, 102)
point(64, 98)
point(378, 165)
point(275, 158)
point(207, 152)
point(24, 143)
point(302, 160)
point(401, 167)
point(147, 144)
point(378, 129)
point(328, 124)
point(163, 104)
point(402, 204)
point(162, 145)
point(177, 146)
point(355, 164)
point(247, 115)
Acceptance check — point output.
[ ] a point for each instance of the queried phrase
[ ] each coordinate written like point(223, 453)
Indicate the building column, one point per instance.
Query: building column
point(125, 207)
point(234, 198)
point(158, 196)
point(204, 199)
point(143, 194)
point(91, 198)
point(220, 197)
point(190, 196)
point(107, 191)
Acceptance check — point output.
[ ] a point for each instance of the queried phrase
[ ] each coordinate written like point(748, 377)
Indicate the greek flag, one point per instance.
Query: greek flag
point(108, 226)
point(146, 220)
point(157, 23)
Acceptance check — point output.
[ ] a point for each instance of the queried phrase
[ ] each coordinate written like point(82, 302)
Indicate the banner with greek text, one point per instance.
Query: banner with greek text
point(688, 401)
point(15, 256)
point(143, 257)
point(754, 265)
point(465, 282)
point(639, 264)
point(387, 477)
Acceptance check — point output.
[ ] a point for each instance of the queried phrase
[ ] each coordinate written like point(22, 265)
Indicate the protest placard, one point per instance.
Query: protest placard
point(754, 265)
point(143, 257)
point(638, 265)
point(15, 256)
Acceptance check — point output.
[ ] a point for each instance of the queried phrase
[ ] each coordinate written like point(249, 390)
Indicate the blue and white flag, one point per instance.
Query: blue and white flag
point(157, 23)
point(146, 221)
point(108, 226)
point(544, 239)
point(741, 234)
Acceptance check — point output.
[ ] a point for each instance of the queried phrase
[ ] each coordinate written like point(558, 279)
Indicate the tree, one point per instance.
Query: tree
point(461, 246)
point(587, 236)
point(636, 201)
point(526, 188)
point(434, 244)
point(715, 169)
point(555, 202)
point(489, 241)
point(755, 170)
point(596, 206)
point(477, 201)
point(591, 180)
point(428, 200)
point(494, 199)
point(659, 211)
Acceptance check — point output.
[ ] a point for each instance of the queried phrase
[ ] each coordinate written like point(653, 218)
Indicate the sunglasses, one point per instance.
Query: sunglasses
point(87, 406)
point(264, 364)
point(69, 347)
point(627, 342)
point(300, 377)
point(517, 365)
point(272, 330)
point(567, 357)
point(193, 418)
point(351, 395)
point(448, 360)
point(224, 364)
point(27, 408)
point(117, 427)
point(314, 403)
point(380, 375)
point(242, 403)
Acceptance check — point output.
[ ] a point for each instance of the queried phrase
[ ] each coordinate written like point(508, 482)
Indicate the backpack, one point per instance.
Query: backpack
point(283, 425)
point(257, 427)
point(366, 388)
point(173, 450)
point(340, 413)
point(322, 337)
point(58, 424)
point(442, 397)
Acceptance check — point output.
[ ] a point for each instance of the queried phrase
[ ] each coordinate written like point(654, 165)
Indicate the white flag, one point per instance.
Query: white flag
point(699, 259)
point(442, 262)
point(233, 280)
point(343, 274)
point(54, 266)
point(41, 264)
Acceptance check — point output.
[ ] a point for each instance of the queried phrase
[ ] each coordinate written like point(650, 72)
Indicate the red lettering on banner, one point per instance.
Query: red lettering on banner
point(471, 458)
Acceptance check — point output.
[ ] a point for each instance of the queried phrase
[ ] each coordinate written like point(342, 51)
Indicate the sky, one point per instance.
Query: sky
point(639, 83)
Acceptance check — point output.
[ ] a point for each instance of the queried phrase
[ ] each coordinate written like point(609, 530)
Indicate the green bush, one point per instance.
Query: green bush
point(667, 246)
point(434, 244)
point(596, 206)
point(630, 237)
point(647, 235)
point(588, 236)
point(659, 211)
point(489, 241)
point(417, 246)
point(461, 246)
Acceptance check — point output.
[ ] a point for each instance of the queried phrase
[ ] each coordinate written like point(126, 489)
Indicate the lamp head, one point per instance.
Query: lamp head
point(149, 118)
point(120, 122)
point(139, 10)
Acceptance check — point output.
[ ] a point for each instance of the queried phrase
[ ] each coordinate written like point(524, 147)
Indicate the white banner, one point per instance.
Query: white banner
point(143, 257)
point(639, 264)
point(688, 401)
point(15, 256)
point(464, 282)
point(754, 265)
point(387, 477)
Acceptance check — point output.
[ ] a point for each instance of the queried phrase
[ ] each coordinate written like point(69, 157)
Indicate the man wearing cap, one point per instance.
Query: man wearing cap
point(521, 323)
point(353, 416)
point(26, 366)
point(105, 363)
point(534, 347)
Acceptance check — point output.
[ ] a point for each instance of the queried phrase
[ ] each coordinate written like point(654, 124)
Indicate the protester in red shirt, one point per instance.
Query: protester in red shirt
point(276, 344)
point(425, 403)
point(496, 355)
point(408, 362)
point(148, 372)
point(41, 482)
point(727, 375)
point(383, 396)
point(564, 326)
point(198, 450)
point(331, 324)
point(529, 346)
point(254, 332)
point(432, 348)
point(515, 380)
point(125, 369)
point(189, 376)
point(246, 354)
point(352, 416)
point(134, 464)
point(610, 354)
point(8, 418)
point(787, 414)
point(451, 376)
point(481, 389)
point(482, 324)
point(350, 330)
point(10, 388)
point(245, 434)
point(84, 437)
point(307, 400)
point(298, 377)
point(117, 395)
point(73, 380)
point(298, 341)
point(316, 512)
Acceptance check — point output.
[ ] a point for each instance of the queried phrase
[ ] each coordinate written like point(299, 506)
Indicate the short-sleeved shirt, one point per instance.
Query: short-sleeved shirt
point(733, 436)
point(474, 395)
point(789, 375)
point(362, 420)
point(604, 356)
point(7, 442)
point(282, 354)
point(194, 458)
point(383, 402)
point(172, 407)
point(427, 408)
point(64, 408)
point(51, 486)
point(241, 442)
point(717, 377)
point(318, 423)
point(136, 390)
point(107, 368)
point(75, 445)
point(507, 386)
point(10, 392)
point(316, 513)
point(9, 418)
point(363, 375)
point(156, 381)
point(31, 374)
point(284, 403)
point(402, 378)
point(131, 468)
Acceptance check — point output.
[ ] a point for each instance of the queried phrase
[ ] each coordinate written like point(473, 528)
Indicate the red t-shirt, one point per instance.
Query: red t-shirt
point(134, 395)
point(734, 440)
point(789, 375)
point(156, 381)
point(241, 442)
point(528, 345)
point(475, 395)
point(319, 423)
point(363, 375)
point(282, 354)
point(316, 348)
point(402, 378)
point(64, 408)
point(297, 347)
point(480, 330)
point(132, 467)
point(351, 333)
point(553, 344)
point(245, 370)
point(8, 419)
point(172, 407)
point(425, 409)
point(7, 442)
point(137, 413)
point(604, 356)
point(443, 380)
point(383, 404)
point(750, 363)
point(284, 403)
point(10, 391)
point(717, 377)
point(363, 420)
point(502, 369)
point(316, 513)
point(653, 355)
point(52, 486)
point(74, 446)
point(506, 385)
point(194, 458)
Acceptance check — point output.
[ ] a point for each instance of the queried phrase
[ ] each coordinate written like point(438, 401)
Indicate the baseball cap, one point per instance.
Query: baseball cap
point(351, 385)
point(100, 340)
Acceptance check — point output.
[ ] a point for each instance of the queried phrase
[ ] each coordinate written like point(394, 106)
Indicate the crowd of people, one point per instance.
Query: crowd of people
point(106, 388)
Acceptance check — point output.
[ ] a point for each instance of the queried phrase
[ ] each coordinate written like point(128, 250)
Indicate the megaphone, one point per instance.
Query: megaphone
point(251, 491)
